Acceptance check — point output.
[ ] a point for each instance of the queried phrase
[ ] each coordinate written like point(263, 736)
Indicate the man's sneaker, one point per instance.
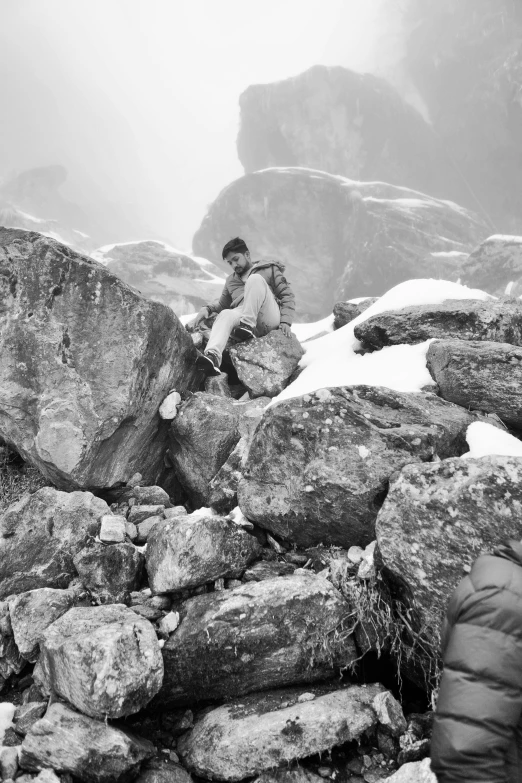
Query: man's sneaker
point(209, 363)
point(244, 332)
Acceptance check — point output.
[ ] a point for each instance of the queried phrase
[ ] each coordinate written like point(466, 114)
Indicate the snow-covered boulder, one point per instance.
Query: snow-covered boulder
point(492, 320)
point(261, 635)
point(265, 365)
point(86, 362)
point(339, 238)
point(104, 660)
point(270, 730)
point(196, 549)
point(90, 750)
point(40, 535)
point(161, 273)
point(485, 376)
point(437, 519)
point(318, 466)
point(344, 312)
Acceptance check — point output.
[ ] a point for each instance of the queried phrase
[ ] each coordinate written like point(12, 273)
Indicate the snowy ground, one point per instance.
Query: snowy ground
point(331, 360)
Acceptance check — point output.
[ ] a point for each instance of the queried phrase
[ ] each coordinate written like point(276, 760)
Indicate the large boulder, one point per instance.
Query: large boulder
point(110, 572)
point(90, 750)
point(462, 319)
point(86, 362)
point(164, 274)
point(40, 535)
point(494, 264)
point(265, 365)
point(318, 467)
point(261, 635)
point(202, 436)
point(343, 122)
point(436, 520)
point(33, 612)
point(104, 660)
point(484, 376)
point(192, 550)
point(239, 740)
point(339, 238)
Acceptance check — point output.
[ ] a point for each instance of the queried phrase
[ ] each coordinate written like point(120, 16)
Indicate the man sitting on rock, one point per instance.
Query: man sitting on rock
point(256, 299)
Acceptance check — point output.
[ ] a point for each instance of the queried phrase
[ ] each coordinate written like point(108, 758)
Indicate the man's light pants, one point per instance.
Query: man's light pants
point(259, 310)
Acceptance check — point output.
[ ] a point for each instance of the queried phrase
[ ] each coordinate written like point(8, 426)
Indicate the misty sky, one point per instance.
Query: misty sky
point(139, 98)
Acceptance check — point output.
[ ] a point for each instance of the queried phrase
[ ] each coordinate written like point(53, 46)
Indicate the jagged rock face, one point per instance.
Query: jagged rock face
point(339, 238)
point(188, 552)
point(104, 660)
point(239, 740)
point(90, 750)
point(261, 635)
point(494, 264)
point(202, 436)
point(86, 364)
point(164, 274)
point(342, 122)
point(485, 376)
point(462, 319)
point(318, 465)
point(41, 533)
point(110, 571)
point(33, 612)
point(437, 519)
point(265, 365)
point(11, 662)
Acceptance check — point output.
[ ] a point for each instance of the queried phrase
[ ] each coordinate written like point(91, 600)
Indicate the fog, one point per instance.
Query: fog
point(139, 100)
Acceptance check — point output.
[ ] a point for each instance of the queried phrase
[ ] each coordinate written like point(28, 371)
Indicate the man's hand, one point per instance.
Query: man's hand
point(286, 330)
point(203, 313)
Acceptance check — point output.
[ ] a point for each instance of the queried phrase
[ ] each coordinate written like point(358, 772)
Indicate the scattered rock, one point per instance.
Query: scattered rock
point(110, 571)
point(144, 528)
point(131, 531)
point(139, 513)
point(88, 749)
point(261, 635)
point(169, 623)
point(437, 519)
point(81, 409)
point(27, 714)
point(417, 772)
point(318, 466)
point(112, 530)
point(344, 312)
point(32, 612)
point(264, 365)
point(485, 376)
point(41, 533)
point(202, 437)
point(148, 496)
point(239, 740)
point(462, 319)
point(104, 660)
point(195, 549)
point(169, 407)
point(160, 771)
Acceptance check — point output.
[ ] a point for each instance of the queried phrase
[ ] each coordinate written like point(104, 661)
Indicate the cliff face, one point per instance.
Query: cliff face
point(341, 122)
point(339, 238)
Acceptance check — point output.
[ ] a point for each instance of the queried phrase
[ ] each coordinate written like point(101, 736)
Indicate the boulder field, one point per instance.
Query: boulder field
point(238, 621)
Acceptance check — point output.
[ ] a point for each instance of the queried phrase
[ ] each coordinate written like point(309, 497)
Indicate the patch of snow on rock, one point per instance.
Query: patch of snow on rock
point(484, 440)
point(7, 710)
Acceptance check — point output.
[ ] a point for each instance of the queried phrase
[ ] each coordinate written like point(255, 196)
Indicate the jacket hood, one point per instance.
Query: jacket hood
point(510, 550)
point(263, 264)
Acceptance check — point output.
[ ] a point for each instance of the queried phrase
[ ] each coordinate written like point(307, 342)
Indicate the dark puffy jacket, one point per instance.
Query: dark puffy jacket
point(272, 271)
point(477, 733)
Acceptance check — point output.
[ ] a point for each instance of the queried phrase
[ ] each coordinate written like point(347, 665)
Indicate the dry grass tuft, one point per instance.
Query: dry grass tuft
point(17, 478)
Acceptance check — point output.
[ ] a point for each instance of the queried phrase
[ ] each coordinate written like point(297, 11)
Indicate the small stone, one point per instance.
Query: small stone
point(8, 762)
point(149, 613)
point(135, 480)
point(275, 545)
point(219, 585)
point(324, 772)
point(112, 530)
point(306, 697)
point(169, 623)
point(366, 569)
point(27, 714)
point(145, 527)
point(355, 554)
point(176, 511)
point(131, 531)
point(389, 713)
point(150, 496)
point(139, 514)
point(160, 601)
point(169, 407)
point(231, 584)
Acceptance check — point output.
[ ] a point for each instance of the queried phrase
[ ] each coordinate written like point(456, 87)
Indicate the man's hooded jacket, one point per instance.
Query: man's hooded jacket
point(234, 290)
point(477, 733)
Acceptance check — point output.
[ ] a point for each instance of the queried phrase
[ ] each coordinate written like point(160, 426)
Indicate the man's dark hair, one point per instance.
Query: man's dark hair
point(236, 245)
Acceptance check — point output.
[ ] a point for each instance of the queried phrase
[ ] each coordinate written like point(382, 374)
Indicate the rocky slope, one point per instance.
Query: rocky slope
point(339, 238)
point(342, 122)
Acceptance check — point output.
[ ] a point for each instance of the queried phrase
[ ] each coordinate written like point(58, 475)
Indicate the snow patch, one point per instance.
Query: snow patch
point(7, 711)
point(307, 331)
point(485, 440)
point(331, 360)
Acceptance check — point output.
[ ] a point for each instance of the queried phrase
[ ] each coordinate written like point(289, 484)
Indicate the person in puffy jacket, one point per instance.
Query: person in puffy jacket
point(477, 734)
point(256, 299)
